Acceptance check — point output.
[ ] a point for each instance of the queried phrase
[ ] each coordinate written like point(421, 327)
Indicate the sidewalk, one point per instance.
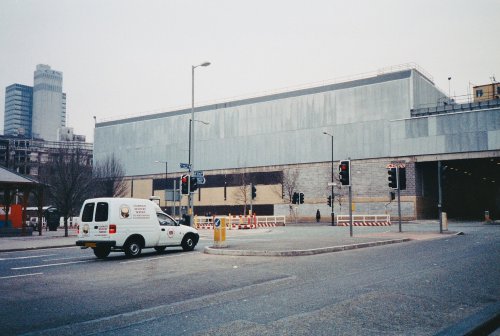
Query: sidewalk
point(277, 241)
point(308, 240)
point(48, 239)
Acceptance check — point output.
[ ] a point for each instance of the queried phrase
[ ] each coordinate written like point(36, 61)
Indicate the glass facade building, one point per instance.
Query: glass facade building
point(18, 110)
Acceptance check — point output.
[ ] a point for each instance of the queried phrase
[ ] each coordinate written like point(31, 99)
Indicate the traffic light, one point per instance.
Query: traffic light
point(254, 192)
point(345, 172)
point(393, 182)
point(301, 198)
point(402, 178)
point(194, 183)
point(295, 198)
point(184, 184)
point(330, 200)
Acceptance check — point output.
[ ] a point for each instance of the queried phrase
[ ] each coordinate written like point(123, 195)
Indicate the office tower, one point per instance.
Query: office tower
point(18, 110)
point(49, 103)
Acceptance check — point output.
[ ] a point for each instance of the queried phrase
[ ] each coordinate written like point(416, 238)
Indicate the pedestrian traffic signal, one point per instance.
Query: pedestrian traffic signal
point(402, 178)
point(254, 192)
point(301, 198)
point(194, 183)
point(295, 198)
point(345, 172)
point(329, 201)
point(184, 184)
point(393, 182)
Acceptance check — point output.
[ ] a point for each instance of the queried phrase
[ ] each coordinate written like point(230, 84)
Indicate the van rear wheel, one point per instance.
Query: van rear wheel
point(102, 252)
point(133, 248)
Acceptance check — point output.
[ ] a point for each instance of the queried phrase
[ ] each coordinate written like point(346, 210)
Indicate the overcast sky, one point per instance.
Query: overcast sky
point(129, 57)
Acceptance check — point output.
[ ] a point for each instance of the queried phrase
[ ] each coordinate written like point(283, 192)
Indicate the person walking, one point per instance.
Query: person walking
point(318, 216)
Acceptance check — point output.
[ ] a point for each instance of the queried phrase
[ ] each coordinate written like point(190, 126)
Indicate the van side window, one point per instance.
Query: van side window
point(88, 212)
point(101, 213)
point(165, 220)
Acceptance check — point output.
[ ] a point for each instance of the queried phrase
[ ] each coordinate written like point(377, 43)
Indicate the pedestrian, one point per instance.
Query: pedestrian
point(318, 216)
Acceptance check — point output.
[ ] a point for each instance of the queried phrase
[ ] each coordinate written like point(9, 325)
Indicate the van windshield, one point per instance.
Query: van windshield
point(165, 219)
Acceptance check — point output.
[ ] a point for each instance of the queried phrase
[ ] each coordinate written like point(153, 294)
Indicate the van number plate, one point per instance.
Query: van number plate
point(90, 244)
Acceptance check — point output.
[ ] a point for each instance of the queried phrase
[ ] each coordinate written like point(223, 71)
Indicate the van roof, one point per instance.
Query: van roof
point(118, 200)
point(115, 200)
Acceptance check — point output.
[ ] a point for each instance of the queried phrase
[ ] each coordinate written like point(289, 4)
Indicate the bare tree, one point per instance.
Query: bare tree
point(241, 194)
point(289, 182)
point(109, 175)
point(69, 176)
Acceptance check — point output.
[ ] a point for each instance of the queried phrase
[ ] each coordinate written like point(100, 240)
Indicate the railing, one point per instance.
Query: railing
point(364, 220)
point(239, 222)
point(453, 108)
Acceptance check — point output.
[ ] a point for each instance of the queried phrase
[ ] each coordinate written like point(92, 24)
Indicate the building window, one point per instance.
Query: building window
point(479, 93)
point(498, 89)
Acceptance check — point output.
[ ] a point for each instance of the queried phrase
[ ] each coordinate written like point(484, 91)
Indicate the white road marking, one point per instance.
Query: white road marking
point(50, 265)
point(65, 258)
point(28, 257)
point(20, 275)
point(156, 258)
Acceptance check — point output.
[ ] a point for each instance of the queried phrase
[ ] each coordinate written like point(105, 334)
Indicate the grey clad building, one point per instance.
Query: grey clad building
point(395, 116)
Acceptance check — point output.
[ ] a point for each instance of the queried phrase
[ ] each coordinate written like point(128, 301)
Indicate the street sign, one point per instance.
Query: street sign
point(185, 166)
point(198, 173)
point(172, 195)
point(332, 184)
point(217, 222)
point(201, 179)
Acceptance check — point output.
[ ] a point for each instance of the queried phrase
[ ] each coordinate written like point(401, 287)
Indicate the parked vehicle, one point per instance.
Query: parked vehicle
point(130, 225)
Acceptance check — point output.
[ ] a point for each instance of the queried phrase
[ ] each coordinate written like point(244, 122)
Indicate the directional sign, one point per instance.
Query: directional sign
point(201, 180)
point(198, 173)
point(185, 166)
point(217, 222)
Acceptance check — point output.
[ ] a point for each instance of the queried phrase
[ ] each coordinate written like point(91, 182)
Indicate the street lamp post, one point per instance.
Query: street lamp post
point(166, 174)
point(191, 142)
point(333, 213)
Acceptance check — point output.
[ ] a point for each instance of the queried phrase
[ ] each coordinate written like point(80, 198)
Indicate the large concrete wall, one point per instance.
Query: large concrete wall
point(280, 129)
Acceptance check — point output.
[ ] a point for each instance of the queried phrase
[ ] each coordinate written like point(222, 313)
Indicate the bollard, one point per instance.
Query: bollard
point(220, 232)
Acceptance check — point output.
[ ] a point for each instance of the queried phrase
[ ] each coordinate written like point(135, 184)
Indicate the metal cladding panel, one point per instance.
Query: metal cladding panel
point(448, 133)
point(273, 130)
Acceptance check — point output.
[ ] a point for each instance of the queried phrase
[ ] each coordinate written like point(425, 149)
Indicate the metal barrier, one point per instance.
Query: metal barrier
point(240, 222)
point(364, 220)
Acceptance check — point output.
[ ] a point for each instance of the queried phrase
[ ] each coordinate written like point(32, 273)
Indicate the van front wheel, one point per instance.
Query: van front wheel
point(102, 252)
point(188, 243)
point(132, 248)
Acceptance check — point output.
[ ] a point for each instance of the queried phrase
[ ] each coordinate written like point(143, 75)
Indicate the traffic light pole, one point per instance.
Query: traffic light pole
point(440, 199)
point(251, 200)
point(399, 198)
point(350, 210)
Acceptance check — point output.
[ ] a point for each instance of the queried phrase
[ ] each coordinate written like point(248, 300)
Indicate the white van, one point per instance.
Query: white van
point(129, 225)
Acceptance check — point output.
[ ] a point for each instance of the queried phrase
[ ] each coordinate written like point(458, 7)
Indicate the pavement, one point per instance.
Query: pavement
point(291, 240)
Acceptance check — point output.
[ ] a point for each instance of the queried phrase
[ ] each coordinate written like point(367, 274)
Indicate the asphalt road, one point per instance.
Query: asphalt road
point(415, 288)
